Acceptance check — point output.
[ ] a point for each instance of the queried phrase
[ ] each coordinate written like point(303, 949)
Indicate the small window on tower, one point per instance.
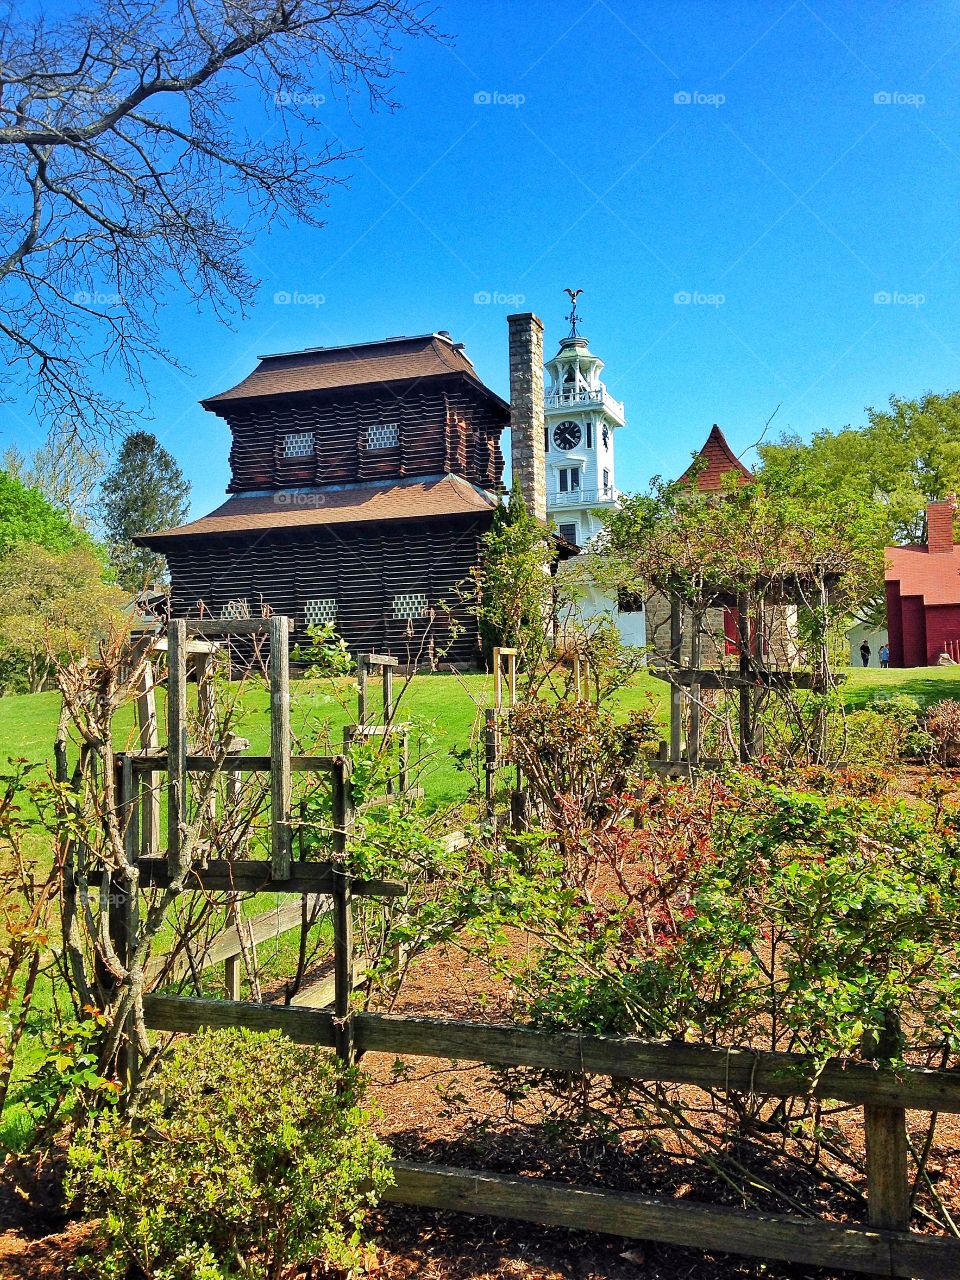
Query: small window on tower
point(606, 480)
point(546, 439)
point(412, 604)
point(299, 444)
point(383, 435)
point(589, 435)
point(568, 532)
point(569, 478)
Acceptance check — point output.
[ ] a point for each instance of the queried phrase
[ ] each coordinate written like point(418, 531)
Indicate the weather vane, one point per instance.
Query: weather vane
point(573, 294)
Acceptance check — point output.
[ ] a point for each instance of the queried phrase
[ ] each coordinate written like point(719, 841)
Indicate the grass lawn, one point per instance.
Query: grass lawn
point(446, 710)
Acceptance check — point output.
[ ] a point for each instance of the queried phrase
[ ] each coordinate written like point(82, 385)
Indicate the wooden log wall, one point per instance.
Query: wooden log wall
point(362, 567)
point(444, 426)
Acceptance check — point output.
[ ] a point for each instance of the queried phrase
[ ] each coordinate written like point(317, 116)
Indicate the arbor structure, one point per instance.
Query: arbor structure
point(145, 489)
point(757, 586)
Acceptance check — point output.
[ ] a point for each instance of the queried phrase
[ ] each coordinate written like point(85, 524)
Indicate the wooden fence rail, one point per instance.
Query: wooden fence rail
point(793, 1239)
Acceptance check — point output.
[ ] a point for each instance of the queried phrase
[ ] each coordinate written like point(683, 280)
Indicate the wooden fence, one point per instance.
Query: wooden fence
point(885, 1247)
point(879, 1249)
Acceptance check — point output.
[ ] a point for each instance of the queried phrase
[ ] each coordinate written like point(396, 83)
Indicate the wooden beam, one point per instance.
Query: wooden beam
point(281, 792)
point(182, 1013)
point(228, 626)
point(234, 763)
point(176, 740)
point(677, 1222)
point(253, 876)
point(781, 1075)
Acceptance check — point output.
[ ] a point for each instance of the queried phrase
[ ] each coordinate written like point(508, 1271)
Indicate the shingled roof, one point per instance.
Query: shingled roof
point(715, 461)
point(326, 368)
point(291, 509)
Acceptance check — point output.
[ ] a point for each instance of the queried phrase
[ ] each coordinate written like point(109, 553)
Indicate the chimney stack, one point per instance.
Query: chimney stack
point(526, 411)
point(940, 526)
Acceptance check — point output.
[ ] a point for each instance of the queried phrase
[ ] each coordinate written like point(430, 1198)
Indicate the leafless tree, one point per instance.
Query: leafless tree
point(128, 171)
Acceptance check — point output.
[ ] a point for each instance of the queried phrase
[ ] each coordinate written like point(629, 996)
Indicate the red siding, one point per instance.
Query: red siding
point(895, 623)
point(914, 631)
point(942, 625)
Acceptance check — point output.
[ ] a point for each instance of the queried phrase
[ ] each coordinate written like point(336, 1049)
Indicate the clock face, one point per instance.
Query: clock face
point(606, 437)
point(567, 435)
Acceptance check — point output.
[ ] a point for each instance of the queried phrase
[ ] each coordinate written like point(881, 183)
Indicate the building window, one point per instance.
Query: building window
point(412, 604)
point(569, 479)
point(629, 601)
point(383, 435)
point(546, 439)
point(235, 609)
point(589, 434)
point(298, 445)
point(606, 480)
point(316, 612)
point(569, 533)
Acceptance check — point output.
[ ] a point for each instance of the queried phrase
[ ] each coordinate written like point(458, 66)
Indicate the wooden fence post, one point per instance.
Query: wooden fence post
point(888, 1188)
point(343, 960)
point(490, 757)
point(676, 694)
point(281, 790)
point(123, 908)
point(176, 740)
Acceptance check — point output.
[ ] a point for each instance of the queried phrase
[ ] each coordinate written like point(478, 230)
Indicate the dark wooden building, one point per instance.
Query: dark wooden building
point(362, 482)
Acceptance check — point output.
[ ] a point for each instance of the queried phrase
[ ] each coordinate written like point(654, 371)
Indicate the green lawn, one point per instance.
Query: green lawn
point(926, 684)
point(446, 710)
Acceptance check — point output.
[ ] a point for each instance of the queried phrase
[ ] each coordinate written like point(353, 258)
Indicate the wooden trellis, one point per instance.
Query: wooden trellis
point(156, 867)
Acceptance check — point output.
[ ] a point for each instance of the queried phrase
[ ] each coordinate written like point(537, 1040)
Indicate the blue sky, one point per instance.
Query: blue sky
point(784, 197)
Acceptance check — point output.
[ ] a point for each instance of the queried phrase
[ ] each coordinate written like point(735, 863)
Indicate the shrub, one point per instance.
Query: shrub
point(941, 727)
point(247, 1154)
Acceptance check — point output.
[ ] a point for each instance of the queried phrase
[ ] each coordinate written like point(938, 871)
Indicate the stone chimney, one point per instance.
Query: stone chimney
point(526, 411)
point(940, 526)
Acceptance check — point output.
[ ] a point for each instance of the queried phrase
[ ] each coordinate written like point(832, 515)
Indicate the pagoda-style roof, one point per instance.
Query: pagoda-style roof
point(288, 510)
point(714, 463)
point(391, 360)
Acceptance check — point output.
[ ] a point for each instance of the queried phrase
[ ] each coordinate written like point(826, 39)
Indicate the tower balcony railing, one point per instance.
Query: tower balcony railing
point(584, 396)
point(583, 497)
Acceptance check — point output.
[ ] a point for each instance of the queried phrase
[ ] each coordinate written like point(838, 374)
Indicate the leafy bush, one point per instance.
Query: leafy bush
point(941, 728)
point(248, 1154)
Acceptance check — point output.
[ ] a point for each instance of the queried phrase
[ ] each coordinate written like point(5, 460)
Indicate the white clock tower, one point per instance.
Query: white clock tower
point(581, 421)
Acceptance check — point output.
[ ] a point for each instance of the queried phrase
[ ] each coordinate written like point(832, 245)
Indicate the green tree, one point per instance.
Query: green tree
point(513, 589)
point(53, 604)
point(145, 490)
point(27, 516)
point(66, 471)
point(904, 457)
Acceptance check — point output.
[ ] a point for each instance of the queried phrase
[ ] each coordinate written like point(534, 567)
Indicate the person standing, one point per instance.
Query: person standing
point(885, 655)
point(865, 652)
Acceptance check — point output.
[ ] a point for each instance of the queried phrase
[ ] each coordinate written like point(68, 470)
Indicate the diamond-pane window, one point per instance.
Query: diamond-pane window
point(235, 609)
point(412, 604)
point(383, 435)
point(299, 444)
point(316, 612)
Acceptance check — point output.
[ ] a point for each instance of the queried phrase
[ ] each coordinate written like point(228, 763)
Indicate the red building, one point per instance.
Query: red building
point(923, 594)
